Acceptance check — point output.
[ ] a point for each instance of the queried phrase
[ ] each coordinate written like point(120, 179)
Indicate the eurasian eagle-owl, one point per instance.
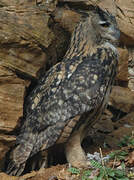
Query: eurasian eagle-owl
point(72, 95)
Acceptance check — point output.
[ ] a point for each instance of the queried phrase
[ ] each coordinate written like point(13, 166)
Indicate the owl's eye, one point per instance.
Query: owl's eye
point(104, 24)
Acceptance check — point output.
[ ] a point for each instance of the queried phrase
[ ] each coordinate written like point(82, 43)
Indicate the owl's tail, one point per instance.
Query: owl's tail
point(16, 159)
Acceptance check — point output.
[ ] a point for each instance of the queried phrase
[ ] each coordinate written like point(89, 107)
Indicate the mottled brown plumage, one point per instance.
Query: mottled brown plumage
point(72, 95)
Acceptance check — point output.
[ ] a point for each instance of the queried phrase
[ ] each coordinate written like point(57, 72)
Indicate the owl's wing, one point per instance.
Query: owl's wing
point(78, 94)
point(64, 87)
point(46, 87)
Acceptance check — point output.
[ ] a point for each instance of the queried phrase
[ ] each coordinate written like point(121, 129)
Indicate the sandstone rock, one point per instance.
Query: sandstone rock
point(48, 5)
point(11, 99)
point(113, 138)
point(42, 174)
point(23, 61)
point(105, 4)
point(67, 18)
point(12, 91)
point(123, 64)
point(108, 5)
point(122, 98)
point(21, 34)
point(105, 124)
point(131, 68)
point(4, 176)
point(131, 84)
point(23, 30)
point(127, 121)
point(87, 2)
point(125, 19)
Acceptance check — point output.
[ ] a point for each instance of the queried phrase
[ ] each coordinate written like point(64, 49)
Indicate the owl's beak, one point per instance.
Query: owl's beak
point(115, 33)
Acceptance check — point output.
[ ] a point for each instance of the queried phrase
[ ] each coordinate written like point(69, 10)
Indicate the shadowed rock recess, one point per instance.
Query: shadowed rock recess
point(34, 35)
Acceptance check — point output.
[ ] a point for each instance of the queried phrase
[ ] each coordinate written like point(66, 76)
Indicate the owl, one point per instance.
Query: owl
point(70, 97)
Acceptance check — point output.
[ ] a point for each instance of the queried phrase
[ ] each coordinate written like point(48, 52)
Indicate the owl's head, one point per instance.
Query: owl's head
point(104, 25)
point(97, 27)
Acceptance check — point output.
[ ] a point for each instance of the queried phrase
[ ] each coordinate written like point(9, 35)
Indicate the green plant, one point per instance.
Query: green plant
point(74, 170)
point(86, 174)
point(107, 173)
point(118, 154)
point(131, 175)
point(95, 164)
point(104, 172)
point(126, 141)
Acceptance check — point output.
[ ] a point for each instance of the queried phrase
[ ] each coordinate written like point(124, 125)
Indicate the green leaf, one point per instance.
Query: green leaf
point(126, 140)
point(119, 173)
point(122, 178)
point(112, 174)
point(95, 178)
point(84, 178)
point(95, 164)
point(74, 170)
point(132, 142)
point(112, 155)
point(118, 154)
point(98, 178)
point(102, 173)
point(123, 153)
point(120, 157)
point(123, 166)
point(87, 173)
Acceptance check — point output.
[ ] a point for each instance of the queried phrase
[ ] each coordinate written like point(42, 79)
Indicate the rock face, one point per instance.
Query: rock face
point(34, 35)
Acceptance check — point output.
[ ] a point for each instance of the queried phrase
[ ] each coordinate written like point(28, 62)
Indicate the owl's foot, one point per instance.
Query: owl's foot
point(74, 153)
